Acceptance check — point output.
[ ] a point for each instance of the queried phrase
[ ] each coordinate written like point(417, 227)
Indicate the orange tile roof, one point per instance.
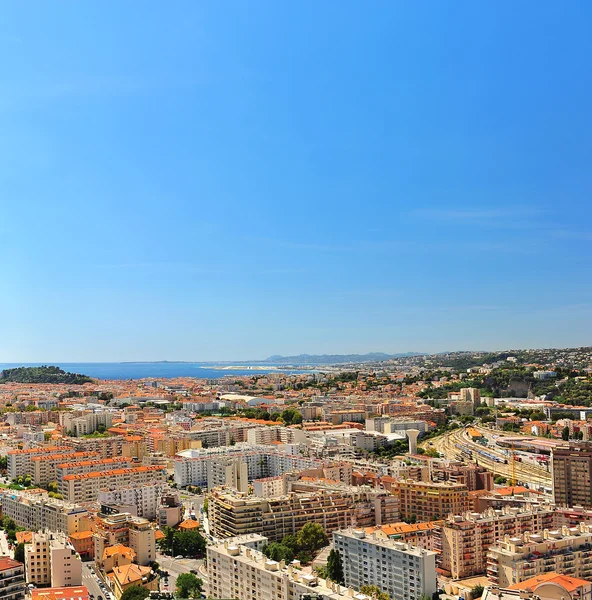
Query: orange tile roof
point(93, 474)
point(570, 584)
point(8, 563)
point(130, 573)
point(24, 537)
point(81, 535)
point(119, 549)
point(60, 593)
point(189, 524)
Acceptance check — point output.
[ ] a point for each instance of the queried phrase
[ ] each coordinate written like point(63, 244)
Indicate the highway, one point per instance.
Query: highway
point(446, 444)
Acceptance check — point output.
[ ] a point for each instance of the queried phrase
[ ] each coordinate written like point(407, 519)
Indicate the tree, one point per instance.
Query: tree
point(135, 592)
point(19, 553)
point(291, 541)
point(565, 434)
point(189, 585)
point(477, 591)
point(278, 552)
point(335, 567)
point(374, 591)
point(312, 537)
point(189, 543)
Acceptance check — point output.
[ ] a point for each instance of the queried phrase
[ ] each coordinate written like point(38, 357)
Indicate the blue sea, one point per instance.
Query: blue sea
point(146, 369)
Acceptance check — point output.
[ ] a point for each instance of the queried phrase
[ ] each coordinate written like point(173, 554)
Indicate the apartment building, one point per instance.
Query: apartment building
point(192, 466)
point(567, 551)
point(19, 461)
point(123, 529)
point(140, 500)
point(44, 466)
point(85, 487)
point(80, 423)
point(243, 573)
point(50, 559)
point(271, 435)
point(572, 475)
point(404, 572)
point(119, 445)
point(34, 512)
point(88, 466)
point(421, 535)
point(475, 477)
point(12, 579)
point(232, 514)
point(466, 539)
point(430, 501)
point(170, 510)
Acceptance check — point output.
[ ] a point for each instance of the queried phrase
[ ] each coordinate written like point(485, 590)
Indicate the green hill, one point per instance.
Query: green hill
point(43, 374)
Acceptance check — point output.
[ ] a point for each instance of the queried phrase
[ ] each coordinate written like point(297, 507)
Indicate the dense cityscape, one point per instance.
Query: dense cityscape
point(458, 475)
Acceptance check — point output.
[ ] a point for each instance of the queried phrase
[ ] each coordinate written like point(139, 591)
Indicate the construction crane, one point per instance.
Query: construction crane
point(513, 467)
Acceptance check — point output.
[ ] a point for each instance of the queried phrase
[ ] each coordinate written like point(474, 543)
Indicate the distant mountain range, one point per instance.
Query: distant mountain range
point(334, 359)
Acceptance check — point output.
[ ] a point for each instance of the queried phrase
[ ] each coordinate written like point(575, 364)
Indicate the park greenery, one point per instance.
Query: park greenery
point(568, 386)
point(43, 374)
point(303, 545)
point(189, 586)
point(374, 592)
point(186, 543)
point(135, 592)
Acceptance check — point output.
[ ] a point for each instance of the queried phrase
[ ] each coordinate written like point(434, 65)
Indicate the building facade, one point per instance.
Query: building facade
point(404, 572)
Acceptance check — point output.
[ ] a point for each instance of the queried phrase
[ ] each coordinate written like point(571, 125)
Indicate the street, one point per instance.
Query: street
point(176, 567)
point(92, 582)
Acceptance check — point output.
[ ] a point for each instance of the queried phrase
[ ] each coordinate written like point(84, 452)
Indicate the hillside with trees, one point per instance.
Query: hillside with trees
point(43, 374)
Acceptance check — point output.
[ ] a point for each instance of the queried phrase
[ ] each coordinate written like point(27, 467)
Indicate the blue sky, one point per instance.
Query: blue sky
point(206, 180)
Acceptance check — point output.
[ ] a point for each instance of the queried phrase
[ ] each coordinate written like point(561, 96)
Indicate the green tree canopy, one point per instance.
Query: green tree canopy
point(375, 591)
point(189, 585)
point(278, 552)
point(335, 567)
point(135, 592)
point(312, 537)
point(19, 553)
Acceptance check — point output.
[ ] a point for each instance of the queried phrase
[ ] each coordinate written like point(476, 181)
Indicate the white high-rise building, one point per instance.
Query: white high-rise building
point(404, 572)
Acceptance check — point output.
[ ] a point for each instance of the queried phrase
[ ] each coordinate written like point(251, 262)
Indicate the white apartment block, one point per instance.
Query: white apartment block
point(34, 512)
point(85, 487)
point(84, 422)
point(402, 571)
point(138, 500)
point(243, 573)
point(192, 466)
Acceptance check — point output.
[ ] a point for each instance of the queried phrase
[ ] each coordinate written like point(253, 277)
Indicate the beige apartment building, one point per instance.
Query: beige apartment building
point(85, 487)
point(572, 475)
point(19, 461)
point(50, 560)
point(88, 466)
point(466, 539)
point(44, 465)
point(567, 551)
point(429, 501)
point(232, 514)
point(118, 445)
point(122, 529)
point(38, 511)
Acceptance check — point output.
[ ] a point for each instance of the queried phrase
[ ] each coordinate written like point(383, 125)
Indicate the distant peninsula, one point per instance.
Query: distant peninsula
point(334, 359)
point(43, 374)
